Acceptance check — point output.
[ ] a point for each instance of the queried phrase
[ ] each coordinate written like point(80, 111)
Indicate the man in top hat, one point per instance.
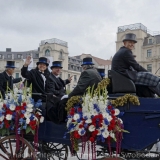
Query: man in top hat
point(55, 85)
point(37, 77)
point(88, 77)
point(55, 90)
point(124, 62)
point(7, 79)
point(101, 71)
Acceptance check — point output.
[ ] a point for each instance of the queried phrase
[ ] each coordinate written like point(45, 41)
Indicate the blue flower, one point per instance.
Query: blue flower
point(78, 120)
point(20, 99)
point(83, 132)
point(85, 125)
point(106, 121)
point(96, 107)
point(21, 121)
point(23, 111)
point(24, 127)
point(32, 117)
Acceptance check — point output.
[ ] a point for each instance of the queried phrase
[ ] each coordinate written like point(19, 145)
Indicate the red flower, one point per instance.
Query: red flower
point(24, 104)
point(18, 108)
point(109, 107)
point(22, 116)
point(80, 126)
point(94, 133)
point(4, 106)
point(79, 109)
point(23, 108)
point(76, 135)
point(32, 123)
point(112, 112)
point(92, 139)
point(7, 125)
point(9, 111)
point(71, 113)
point(33, 127)
point(100, 116)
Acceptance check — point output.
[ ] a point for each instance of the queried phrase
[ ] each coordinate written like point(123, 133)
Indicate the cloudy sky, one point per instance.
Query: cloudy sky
point(89, 26)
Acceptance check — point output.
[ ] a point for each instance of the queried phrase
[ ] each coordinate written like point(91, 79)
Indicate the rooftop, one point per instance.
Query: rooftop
point(54, 40)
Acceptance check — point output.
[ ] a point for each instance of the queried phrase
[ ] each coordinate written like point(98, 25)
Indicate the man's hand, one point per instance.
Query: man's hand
point(65, 96)
point(70, 78)
point(28, 61)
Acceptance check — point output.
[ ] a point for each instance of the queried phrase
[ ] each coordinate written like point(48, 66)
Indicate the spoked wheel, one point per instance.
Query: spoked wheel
point(25, 151)
point(52, 151)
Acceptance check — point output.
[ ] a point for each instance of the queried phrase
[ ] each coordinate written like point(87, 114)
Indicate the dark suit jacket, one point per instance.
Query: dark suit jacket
point(88, 78)
point(122, 61)
point(4, 79)
point(34, 76)
point(56, 86)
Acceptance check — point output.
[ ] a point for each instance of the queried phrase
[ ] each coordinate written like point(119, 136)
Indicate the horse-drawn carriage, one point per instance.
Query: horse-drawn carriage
point(142, 122)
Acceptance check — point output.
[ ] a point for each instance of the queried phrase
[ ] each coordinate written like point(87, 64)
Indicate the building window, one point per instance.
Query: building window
point(1, 56)
point(68, 75)
point(149, 67)
point(60, 55)
point(75, 78)
point(36, 55)
point(47, 52)
point(9, 56)
point(19, 56)
point(60, 75)
point(17, 64)
point(17, 75)
point(150, 41)
point(149, 53)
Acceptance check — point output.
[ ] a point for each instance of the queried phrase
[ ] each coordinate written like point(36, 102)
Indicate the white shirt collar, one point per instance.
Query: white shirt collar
point(56, 76)
point(8, 75)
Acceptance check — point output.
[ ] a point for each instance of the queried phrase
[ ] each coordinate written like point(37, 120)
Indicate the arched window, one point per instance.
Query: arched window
point(47, 52)
point(60, 55)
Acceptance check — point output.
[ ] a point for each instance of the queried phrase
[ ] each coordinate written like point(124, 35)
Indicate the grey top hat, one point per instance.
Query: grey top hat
point(130, 37)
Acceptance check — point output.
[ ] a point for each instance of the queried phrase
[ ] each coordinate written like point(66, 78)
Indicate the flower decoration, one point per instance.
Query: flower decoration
point(93, 118)
point(18, 112)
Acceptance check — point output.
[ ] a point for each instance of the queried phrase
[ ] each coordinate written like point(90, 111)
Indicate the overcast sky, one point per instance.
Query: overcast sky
point(89, 26)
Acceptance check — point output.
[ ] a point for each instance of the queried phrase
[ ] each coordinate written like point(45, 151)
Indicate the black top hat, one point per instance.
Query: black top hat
point(43, 60)
point(130, 37)
point(87, 61)
point(10, 64)
point(101, 71)
point(56, 64)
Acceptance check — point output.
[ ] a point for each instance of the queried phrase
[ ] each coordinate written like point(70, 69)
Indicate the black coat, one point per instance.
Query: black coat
point(56, 86)
point(123, 60)
point(89, 77)
point(4, 80)
point(34, 76)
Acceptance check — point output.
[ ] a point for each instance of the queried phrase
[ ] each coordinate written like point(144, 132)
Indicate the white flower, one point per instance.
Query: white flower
point(27, 115)
point(88, 121)
point(1, 105)
point(27, 120)
point(112, 135)
point(29, 105)
point(117, 112)
point(28, 89)
point(2, 118)
point(81, 131)
point(8, 116)
point(105, 134)
point(12, 107)
point(91, 128)
point(69, 121)
point(15, 90)
point(76, 116)
point(109, 118)
point(105, 115)
point(41, 119)
point(120, 120)
point(29, 109)
point(39, 113)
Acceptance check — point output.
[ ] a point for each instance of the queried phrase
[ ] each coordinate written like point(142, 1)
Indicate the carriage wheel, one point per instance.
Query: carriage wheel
point(52, 151)
point(10, 152)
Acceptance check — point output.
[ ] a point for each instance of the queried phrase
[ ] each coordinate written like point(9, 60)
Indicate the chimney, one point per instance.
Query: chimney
point(8, 49)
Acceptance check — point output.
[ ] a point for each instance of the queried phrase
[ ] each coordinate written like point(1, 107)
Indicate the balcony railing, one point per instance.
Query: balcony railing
point(54, 40)
point(132, 27)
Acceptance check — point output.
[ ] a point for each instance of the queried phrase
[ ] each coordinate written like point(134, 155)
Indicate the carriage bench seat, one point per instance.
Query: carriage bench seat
point(121, 84)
